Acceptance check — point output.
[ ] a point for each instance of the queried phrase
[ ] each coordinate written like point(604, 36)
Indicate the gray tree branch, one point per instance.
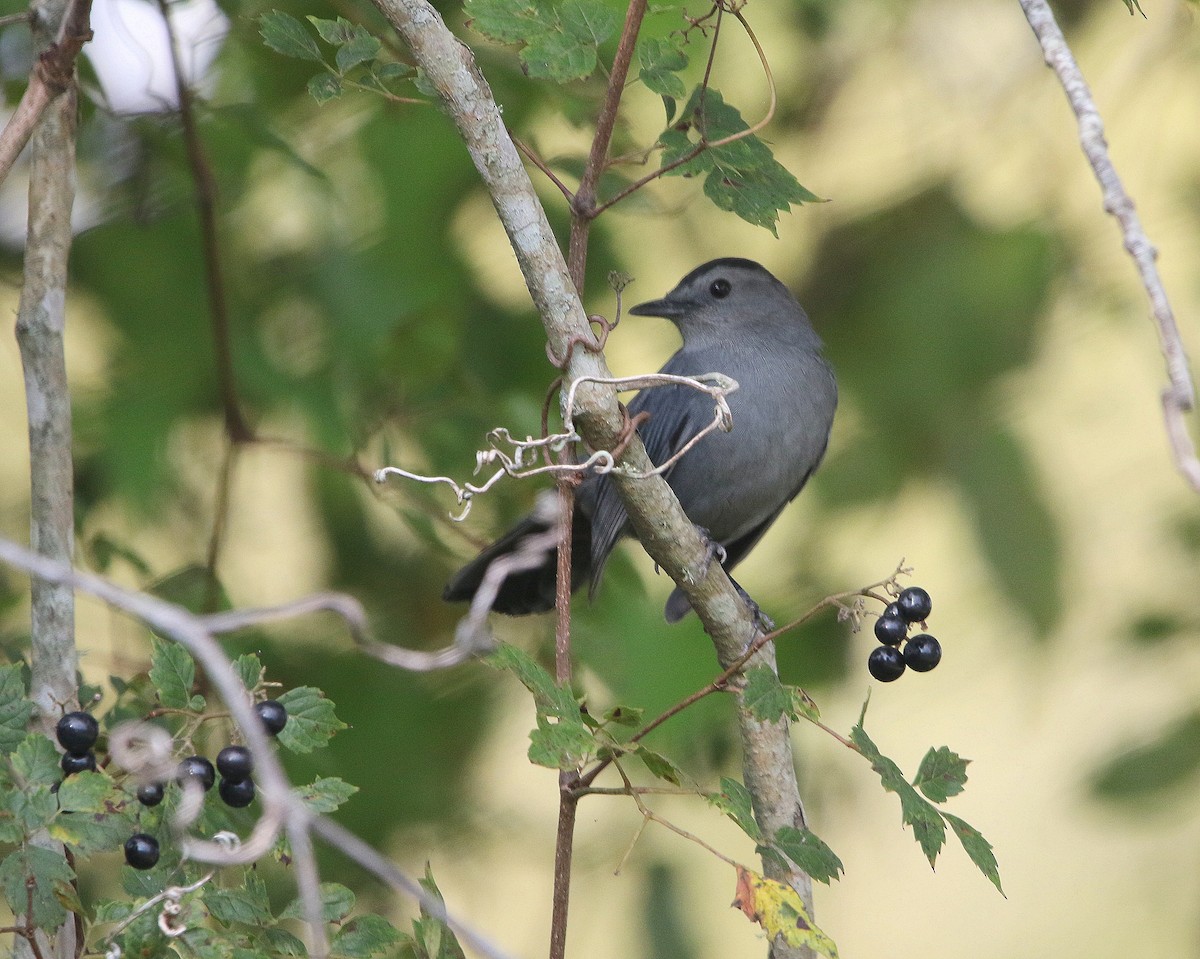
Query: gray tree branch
point(665, 532)
point(1179, 397)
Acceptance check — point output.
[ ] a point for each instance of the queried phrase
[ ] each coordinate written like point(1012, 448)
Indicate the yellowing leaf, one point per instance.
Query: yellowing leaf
point(778, 908)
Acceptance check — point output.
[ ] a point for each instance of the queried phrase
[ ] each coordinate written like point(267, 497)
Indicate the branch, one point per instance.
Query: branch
point(52, 76)
point(282, 807)
point(1179, 397)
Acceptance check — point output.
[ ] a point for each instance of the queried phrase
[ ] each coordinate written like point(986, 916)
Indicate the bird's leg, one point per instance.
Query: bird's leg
point(764, 622)
point(712, 550)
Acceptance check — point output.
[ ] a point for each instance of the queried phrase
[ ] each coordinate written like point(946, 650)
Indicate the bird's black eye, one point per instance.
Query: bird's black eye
point(720, 288)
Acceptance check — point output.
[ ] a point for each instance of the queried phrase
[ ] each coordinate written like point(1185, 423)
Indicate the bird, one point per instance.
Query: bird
point(735, 318)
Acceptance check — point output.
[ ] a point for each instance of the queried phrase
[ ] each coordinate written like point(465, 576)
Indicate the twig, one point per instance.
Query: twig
point(281, 805)
point(705, 143)
point(544, 167)
point(236, 427)
point(1179, 397)
point(53, 75)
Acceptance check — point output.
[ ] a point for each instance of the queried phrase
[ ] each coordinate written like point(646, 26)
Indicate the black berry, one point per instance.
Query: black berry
point(76, 764)
point(238, 794)
point(885, 663)
point(199, 769)
point(273, 715)
point(890, 630)
point(141, 851)
point(77, 732)
point(235, 763)
point(922, 652)
point(150, 794)
point(915, 604)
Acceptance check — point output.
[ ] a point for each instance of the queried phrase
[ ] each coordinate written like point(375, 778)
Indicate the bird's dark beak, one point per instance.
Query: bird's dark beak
point(667, 308)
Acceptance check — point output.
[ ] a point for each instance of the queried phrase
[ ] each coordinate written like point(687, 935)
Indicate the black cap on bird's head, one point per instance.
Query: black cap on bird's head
point(720, 292)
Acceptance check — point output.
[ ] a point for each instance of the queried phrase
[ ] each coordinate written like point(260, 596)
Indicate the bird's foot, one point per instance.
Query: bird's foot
point(761, 619)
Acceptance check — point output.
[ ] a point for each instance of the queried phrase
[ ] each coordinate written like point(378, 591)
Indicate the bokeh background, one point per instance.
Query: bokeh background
point(1000, 431)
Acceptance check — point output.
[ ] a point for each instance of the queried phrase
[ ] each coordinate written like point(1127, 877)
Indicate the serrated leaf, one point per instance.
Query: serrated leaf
point(942, 774)
point(809, 852)
point(432, 938)
point(559, 57)
point(32, 869)
point(173, 673)
point(660, 62)
point(282, 943)
point(326, 795)
point(35, 761)
point(33, 808)
point(248, 905)
point(85, 792)
point(734, 801)
point(978, 848)
point(336, 903)
point(358, 50)
point(765, 696)
point(915, 811)
point(779, 909)
point(311, 720)
point(334, 32)
point(508, 21)
point(624, 716)
point(659, 765)
point(324, 87)
point(285, 34)
point(589, 21)
point(15, 709)
point(111, 910)
point(559, 743)
point(93, 832)
point(249, 669)
point(365, 936)
point(803, 705)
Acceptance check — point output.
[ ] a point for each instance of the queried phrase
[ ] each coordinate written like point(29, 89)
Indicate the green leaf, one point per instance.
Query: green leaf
point(660, 62)
point(559, 57)
point(433, 939)
point(942, 774)
point(624, 716)
point(336, 903)
point(172, 672)
point(33, 808)
point(392, 70)
point(358, 50)
point(765, 696)
point(249, 669)
point(1171, 758)
point(15, 709)
point(559, 743)
point(365, 936)
point(659, 765)
point(1132, 5)
point(326, 794)
point(311, 720)
point(280, 942)
point(978, 848)
point(285, 34)
point(335, 32)
point(36, 761)
point(247, 904)
point(589, 21)
point(93, 832)
point(32, 869)
point(507, 21)
point(85, 792)
point(111, 910)
point(734, 801)
point(324, 87)
point(915, 811)
point(808, 852)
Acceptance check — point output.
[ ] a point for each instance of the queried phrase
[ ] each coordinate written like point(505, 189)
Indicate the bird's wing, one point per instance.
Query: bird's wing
point(677, 413)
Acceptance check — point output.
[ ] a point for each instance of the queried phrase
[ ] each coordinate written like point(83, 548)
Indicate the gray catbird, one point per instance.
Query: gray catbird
point(737, 319)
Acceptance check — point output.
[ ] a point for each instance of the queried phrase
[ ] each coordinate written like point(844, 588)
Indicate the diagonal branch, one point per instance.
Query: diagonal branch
point(1179, 397)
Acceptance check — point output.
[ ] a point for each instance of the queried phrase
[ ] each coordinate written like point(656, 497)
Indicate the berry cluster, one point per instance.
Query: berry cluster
point(77, 733)
point(921, 653)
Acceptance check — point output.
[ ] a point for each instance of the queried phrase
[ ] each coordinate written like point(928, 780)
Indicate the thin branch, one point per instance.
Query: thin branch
point(705, 143)
point(1179, 397)
point(53, 75)
point(281, 805)
point(583, 206)
point(236, 427)
point(544, 167)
